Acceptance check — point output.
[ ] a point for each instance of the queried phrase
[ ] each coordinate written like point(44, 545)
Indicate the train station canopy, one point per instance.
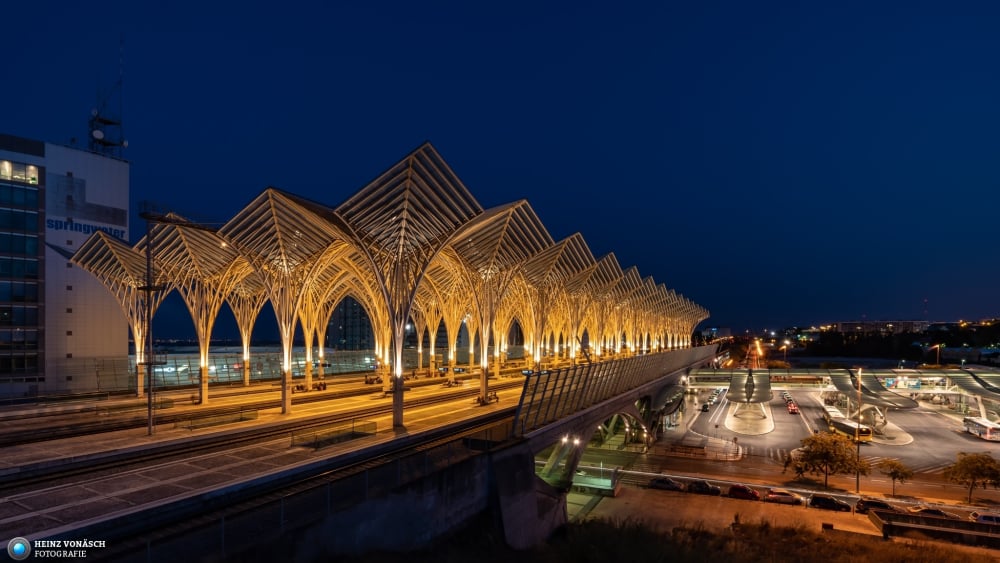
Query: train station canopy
point(413, 245)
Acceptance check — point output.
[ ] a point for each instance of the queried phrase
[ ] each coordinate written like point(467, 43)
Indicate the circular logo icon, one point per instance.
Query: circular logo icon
point(19, 549)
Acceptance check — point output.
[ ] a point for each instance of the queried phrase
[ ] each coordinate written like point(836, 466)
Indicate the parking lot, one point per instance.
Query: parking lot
point(669, 509)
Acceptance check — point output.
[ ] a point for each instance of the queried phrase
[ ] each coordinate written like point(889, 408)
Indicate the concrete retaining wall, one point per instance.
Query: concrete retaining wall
point(355, 515)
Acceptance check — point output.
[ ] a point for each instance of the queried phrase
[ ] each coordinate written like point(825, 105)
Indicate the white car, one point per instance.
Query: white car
point(782, 496)
point(985, 518)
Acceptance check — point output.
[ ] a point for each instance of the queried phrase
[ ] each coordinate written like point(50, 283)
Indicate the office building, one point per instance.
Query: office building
point(59, 326)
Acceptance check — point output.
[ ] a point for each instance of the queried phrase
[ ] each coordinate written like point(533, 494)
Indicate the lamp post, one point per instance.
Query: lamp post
point(149, 289)
point(857, 440)
point(150, 212)
point(938, 362)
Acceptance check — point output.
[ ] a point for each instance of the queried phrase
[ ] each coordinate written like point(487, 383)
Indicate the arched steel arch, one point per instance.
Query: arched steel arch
point(411, 245)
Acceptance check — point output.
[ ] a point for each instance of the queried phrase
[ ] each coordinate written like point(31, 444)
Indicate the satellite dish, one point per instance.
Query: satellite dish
point(98, 134)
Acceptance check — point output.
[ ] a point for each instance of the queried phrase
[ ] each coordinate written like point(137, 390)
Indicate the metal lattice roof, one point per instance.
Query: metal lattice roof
point(413, 240)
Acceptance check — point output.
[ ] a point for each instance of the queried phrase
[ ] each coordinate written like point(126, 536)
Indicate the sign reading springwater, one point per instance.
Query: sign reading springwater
point(20, 549)
point(81, 227)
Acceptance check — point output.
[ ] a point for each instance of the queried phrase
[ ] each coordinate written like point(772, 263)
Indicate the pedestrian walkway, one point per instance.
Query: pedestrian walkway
point(776, 456)
point(694, 444)
point(947, 410)
point(931, 468)
point(751, 420)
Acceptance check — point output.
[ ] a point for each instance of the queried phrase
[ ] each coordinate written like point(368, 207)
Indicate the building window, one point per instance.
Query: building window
point(69, 288)
point(69, 309)
point(19, 220)
point(69, 333)
point(19, 172)
point(16, 243)
point(69, 264)
point(69, 242)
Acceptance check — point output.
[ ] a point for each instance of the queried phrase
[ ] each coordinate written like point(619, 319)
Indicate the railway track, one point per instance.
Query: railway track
point(48, 473)
point(126, 417)
point(128, 536)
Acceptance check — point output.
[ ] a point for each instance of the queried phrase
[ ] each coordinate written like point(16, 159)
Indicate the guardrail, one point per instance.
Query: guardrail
point(924, 526)
point(160, 404)
point(45, 400)
point(233, 417)
point(323, 436)
point(689, 451)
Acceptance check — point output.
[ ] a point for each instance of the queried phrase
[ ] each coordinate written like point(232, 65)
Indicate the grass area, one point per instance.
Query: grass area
point(598, 541)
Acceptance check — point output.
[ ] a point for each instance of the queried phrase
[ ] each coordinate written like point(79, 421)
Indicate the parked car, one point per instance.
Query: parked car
point(744, 492)
point(866, 504)
point(985, 518)
point(782, 496)
point(931, 511)
point(704, 407)
point(827, 502)
point(666, 484)
point(703, 487)
point(793, 408)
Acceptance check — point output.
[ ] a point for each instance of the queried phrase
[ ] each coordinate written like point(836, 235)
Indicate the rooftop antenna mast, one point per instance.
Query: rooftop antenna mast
point(107, 136)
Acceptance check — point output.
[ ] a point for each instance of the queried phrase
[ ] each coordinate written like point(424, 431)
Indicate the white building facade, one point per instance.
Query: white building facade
point(61, 331)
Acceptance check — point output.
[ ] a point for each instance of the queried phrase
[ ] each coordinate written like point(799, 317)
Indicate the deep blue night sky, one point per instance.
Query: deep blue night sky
point(778, 163)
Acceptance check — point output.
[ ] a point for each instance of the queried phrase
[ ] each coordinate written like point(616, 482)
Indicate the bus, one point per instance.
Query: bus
point(851, 429)
point(982, 427)
point(832, 413)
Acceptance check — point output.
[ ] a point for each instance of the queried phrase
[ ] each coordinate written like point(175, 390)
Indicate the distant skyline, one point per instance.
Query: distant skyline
point(780, 164)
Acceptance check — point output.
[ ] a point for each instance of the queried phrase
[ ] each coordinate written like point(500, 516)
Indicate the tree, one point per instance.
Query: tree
point(973, 470)
point(895, 470)
point(829, 454)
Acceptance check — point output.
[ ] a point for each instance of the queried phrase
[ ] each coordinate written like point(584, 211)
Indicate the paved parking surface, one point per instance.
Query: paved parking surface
point(668, 509)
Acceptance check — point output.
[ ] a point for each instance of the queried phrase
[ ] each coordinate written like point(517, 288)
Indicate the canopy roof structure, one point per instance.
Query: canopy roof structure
point(412, 246)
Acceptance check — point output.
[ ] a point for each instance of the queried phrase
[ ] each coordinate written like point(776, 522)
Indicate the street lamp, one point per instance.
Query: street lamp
point(149, 289)
point(937, 347)
point(857, 440)
point(151, 215)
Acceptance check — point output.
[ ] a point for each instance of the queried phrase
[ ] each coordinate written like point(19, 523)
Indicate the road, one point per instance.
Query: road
point(928, 442)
